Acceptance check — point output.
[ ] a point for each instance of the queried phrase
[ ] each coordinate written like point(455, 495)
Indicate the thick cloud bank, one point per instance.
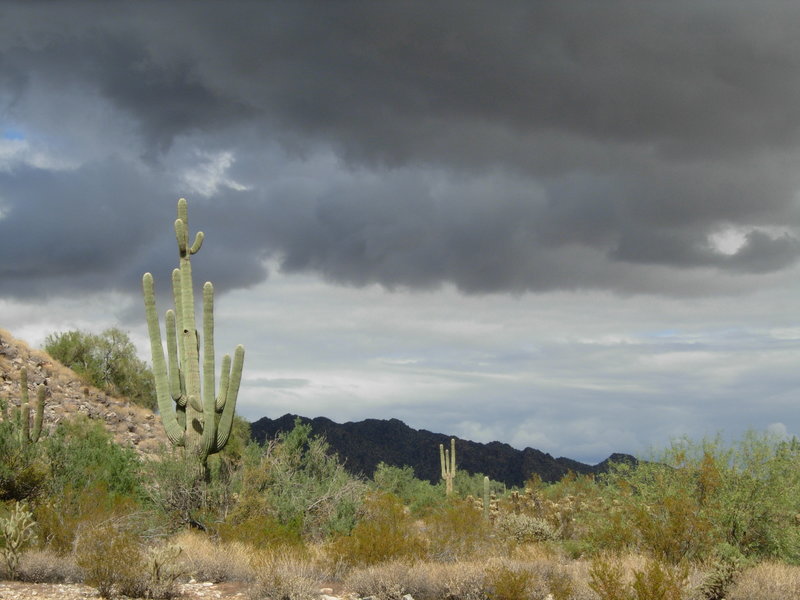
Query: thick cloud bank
point(538, 146)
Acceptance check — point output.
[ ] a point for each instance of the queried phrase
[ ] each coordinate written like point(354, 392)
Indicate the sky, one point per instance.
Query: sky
point(573, 226)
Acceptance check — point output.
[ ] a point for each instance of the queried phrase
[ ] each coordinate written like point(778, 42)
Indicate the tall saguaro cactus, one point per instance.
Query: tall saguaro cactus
point(448, 460)
point(193, 415)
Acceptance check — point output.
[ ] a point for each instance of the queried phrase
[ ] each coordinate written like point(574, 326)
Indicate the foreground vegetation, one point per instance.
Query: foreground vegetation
point(701, 520)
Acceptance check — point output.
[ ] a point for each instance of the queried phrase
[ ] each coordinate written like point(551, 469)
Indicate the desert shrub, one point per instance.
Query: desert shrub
point(284, 576)
point(658, 581)
point(112, 560)
point(386, 581)
point(45, 566)
point(207, 559)
point(694, 497)
point(16, 533)
point(83, 454)
point(296, 480)
point(107, 361)
point(505, 580)
point(654, 580)
point(607, 579)
point(62, 519)
point(23, 472)
point(457, 531)
point(471, 484)
point(260, 531)
point(420, 496)
point(722, 570)
point(522, 528)
point(385, 531)
point(180, 494)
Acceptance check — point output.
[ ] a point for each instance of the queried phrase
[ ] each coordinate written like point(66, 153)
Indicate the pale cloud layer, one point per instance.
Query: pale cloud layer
point(566, 225)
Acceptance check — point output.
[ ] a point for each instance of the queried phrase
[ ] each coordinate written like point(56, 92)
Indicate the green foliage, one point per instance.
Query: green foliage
point(457, 531)
point(16, 532)
point(508, 582)
point(658, 581)
point(23, 471)
point(471, 484)
point(300, 484)
point(61, 518)
point(385, 531)
point(695, 496)
point(419, 495)
point(83, 454)
point(107, 361)
point(607, 579)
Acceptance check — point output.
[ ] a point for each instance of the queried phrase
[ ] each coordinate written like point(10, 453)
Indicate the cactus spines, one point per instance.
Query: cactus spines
point(448, 461)
point(193, 416)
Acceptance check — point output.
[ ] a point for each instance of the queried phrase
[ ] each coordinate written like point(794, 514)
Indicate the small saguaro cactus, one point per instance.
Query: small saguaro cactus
point(448, 460)
point(21, 416)
point(486, 497)
point(193, 416)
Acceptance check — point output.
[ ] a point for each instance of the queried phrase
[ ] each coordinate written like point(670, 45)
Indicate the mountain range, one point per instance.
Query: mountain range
point(362, 445)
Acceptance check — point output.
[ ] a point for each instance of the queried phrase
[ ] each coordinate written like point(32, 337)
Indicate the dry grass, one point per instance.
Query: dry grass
point(206, 560)
point(767, 581)
point(45, 566)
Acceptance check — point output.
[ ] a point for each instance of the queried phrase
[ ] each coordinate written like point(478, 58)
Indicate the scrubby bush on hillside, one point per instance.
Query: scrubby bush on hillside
point(107, 361)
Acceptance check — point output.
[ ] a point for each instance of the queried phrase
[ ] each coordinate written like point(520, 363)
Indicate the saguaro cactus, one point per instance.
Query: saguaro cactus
point(448, 460)
point(193, 415)
point(21, 416)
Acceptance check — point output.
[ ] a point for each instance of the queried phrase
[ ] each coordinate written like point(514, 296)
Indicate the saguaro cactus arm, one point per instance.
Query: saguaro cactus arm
point(175, 433)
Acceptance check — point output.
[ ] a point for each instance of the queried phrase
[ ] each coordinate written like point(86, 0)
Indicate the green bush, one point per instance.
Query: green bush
point(300, 484)
point(457, 531)
point(23, 470)
point(107, 361)
point(83, 454)
point(693, 497)
point(419, 495)
point(385, 531)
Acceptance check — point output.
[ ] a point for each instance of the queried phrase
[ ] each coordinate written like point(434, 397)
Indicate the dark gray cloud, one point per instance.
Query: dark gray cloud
point(542, 146)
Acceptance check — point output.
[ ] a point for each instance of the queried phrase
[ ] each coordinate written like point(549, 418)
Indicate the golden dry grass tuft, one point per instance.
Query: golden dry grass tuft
point(767, 581)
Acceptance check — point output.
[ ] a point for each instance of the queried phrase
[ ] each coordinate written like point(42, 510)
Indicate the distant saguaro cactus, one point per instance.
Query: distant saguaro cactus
point(20, 416)
point(193, 416)
point(448, 460)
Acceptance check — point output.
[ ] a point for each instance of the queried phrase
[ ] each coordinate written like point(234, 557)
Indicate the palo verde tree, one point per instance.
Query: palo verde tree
point(193, 415)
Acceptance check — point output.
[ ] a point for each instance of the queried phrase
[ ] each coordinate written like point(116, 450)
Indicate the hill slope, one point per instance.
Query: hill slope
point(68, 394)
point(364, 444)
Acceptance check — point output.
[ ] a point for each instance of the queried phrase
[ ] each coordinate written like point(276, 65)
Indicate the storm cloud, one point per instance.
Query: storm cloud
point(571, 225)
point(544, 146)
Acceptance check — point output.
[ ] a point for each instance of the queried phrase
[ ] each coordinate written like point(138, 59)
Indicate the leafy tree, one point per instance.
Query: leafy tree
point(107, 361)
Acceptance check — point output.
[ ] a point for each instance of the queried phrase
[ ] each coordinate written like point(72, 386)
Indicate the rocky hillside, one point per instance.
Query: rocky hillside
point(131, 425)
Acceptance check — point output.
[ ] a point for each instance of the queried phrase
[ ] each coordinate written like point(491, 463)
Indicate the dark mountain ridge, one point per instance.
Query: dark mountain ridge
point(364, 444)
